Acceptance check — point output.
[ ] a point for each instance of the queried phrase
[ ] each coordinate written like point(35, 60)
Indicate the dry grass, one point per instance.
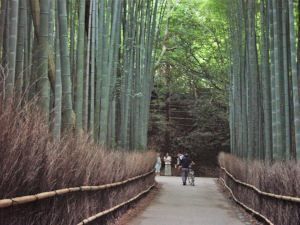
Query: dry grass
point(138, 207)
point(278, 178)
point(32, 162)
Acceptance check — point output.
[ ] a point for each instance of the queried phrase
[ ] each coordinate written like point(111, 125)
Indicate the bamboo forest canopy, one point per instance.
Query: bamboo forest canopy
point(245, 53)
point(92, 64)
point(264, 79)
point(89, 64)
point(191, 81)
point(196, 48)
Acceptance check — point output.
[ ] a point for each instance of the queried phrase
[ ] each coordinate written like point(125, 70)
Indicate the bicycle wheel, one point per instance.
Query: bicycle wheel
point(191, 178)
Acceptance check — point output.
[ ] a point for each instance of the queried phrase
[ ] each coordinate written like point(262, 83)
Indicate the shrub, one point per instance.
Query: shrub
point(32, 162)
point(278, 178)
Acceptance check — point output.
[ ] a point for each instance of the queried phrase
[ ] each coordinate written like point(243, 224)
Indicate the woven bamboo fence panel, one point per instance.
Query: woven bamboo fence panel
point(287, 198)
point(90, 219)
point(31, 198)
point(246, 207)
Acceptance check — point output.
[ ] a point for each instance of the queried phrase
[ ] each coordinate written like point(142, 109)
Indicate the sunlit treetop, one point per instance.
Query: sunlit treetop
point(197, 35)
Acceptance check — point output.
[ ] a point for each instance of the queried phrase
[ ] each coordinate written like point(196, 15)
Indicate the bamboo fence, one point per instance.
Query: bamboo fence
point(31, 198)
point(246, 207)
point(114, 208)
point(287, 198)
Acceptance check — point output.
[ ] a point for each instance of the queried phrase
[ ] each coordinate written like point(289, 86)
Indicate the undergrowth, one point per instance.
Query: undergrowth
point(278, 178)
point(33, 162)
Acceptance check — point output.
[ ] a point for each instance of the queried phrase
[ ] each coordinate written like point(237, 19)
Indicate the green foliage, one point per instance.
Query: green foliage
point(203, 139)
point(196, 42)
point(196, 47)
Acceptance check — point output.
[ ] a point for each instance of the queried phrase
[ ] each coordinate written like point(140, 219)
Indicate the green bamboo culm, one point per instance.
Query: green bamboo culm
point(2, 20)
point(13, 33)
point(42, 76)
point(92, 80)
point(114, 64)
point(294, 79)
point(80, 69)
point(266, 85)
point(5, 44)
point(106, 79)
point(20, 49)
point(65, 69)
point(58, 88)
point(279, 150)
point(101, 25)
point(286, 91)
point(87, 74)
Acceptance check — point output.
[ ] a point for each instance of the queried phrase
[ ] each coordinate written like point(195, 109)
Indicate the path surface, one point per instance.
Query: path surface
point(176, 204)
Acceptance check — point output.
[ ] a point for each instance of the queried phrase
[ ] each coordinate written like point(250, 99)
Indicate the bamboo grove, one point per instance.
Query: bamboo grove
point(88, 62)
point(264, 79)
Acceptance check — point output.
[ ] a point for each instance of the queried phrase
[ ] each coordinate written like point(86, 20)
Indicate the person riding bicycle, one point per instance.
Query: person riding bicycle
point(185, 163)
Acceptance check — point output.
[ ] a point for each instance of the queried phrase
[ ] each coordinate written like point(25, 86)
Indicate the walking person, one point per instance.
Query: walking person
point(178, 165)
point(158, 165)
point(167, 160)
point(185, 163)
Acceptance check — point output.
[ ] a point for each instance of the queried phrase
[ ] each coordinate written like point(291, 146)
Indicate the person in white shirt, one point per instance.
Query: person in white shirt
point(178, 165)
point(167, 160)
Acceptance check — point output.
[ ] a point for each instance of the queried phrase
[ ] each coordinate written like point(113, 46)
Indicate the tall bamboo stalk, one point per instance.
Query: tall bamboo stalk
point(80, 65)
point(286, 91)
point(266, 85)
point(58, 87)
point(2, 21)
point(294, 80)
point(107, 69)
point(87, 75)
point(101, 27)
point(13, 33)
point(42, 84)
point(20, 49)
point(92, 83)
point(65, 69)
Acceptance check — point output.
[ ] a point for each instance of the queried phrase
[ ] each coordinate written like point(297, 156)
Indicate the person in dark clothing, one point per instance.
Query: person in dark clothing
point(185, 163)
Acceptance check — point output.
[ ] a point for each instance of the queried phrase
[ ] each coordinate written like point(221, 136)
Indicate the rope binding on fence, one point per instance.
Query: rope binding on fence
point(31, 198)
point(287, 198)
point(90, 219)
point(246, 207)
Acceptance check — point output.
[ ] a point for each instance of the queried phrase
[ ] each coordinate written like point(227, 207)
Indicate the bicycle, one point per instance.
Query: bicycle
point(191, 176)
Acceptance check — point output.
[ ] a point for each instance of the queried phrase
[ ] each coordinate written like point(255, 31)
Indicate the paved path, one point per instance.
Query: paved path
point(176, 204)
